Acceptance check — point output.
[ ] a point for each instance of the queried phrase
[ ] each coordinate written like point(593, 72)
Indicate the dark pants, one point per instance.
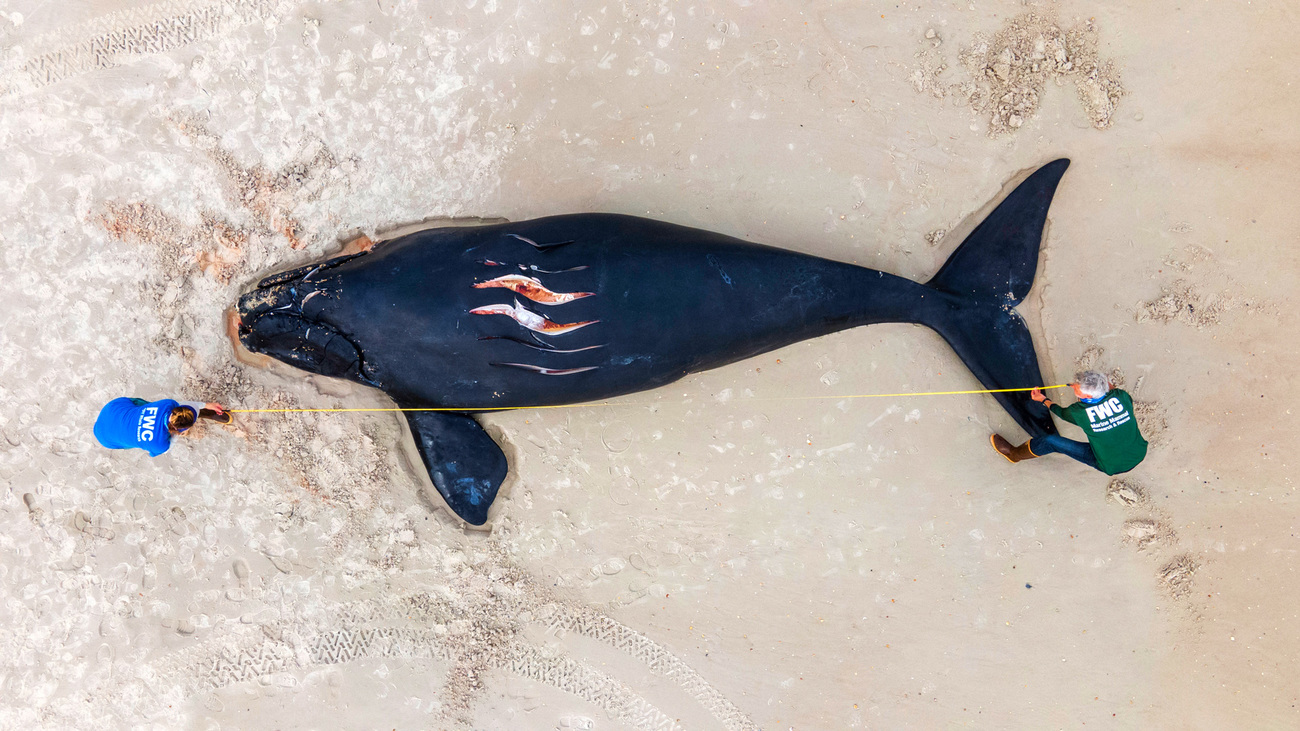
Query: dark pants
point(1081, 451)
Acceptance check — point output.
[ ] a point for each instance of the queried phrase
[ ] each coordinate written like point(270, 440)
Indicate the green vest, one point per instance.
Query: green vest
point(1112, 430)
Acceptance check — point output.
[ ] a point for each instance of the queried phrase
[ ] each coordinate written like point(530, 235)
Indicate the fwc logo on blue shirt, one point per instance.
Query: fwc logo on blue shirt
point(148, 422)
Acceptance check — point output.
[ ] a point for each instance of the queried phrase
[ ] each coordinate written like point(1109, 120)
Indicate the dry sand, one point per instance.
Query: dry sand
point(700, 557)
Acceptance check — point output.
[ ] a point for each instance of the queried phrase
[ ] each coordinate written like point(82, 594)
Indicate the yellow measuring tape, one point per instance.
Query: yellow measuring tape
point(647, 403)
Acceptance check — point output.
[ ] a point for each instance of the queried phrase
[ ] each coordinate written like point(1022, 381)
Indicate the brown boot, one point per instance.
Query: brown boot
point(1013, 454)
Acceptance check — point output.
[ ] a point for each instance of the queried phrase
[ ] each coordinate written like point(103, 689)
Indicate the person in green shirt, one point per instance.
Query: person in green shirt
point(1105, 414)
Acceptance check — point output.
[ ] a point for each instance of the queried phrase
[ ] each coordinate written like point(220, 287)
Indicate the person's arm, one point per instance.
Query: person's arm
point(1038, 396)
point(1064, 414)
point(199, 408)
point(215, 412)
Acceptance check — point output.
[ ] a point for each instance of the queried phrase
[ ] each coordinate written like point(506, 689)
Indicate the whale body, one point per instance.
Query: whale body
point(584, 307)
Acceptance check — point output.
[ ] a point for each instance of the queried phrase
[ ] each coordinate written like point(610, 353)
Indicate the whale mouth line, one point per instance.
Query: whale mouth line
point(304, 273)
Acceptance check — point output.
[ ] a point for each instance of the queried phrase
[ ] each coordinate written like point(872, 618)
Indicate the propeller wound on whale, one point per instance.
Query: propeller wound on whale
point(548, 371)
point(531, 320)
point(533, 289)
point(540, 247)
point(533, 267)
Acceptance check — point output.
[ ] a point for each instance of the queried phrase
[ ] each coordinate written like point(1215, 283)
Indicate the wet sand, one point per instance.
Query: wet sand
point(705, 555)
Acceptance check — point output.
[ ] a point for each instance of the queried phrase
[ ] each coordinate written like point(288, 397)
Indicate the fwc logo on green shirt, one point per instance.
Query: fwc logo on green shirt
point(1107, 415)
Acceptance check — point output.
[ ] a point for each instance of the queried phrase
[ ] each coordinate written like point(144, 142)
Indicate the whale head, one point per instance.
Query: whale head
point(275, 319)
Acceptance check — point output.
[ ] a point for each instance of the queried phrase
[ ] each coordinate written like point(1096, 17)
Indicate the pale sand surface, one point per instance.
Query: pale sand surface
point(703, 556)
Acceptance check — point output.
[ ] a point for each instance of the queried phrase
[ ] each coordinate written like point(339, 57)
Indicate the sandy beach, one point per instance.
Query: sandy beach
point(753, 547)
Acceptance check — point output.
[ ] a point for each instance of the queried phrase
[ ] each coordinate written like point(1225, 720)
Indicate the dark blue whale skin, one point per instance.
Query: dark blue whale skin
point(662, 301)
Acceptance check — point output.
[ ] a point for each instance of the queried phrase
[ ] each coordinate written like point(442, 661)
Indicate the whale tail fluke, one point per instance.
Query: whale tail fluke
point(998, 259)
point(990, 273)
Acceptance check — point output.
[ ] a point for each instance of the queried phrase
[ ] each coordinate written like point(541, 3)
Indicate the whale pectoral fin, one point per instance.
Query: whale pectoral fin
point(465, 465)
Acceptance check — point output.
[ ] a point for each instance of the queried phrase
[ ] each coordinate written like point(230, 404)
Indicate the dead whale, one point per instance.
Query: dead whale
point(584, 307)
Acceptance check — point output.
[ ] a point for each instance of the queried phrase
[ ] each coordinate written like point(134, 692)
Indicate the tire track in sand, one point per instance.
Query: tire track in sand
point(364, 636)
point(123, 36)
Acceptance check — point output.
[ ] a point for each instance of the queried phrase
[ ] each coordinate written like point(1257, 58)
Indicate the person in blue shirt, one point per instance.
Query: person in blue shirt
point(133, 423)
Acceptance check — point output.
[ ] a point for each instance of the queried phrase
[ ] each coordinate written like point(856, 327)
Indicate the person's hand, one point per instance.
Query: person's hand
point(214, 406)
point(1037, 395)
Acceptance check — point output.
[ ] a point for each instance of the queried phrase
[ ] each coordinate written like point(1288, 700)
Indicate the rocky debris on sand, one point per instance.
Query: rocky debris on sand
point(1009, 71)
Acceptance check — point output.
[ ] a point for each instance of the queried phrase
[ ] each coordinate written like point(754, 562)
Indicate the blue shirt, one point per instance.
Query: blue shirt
point(126, 423)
